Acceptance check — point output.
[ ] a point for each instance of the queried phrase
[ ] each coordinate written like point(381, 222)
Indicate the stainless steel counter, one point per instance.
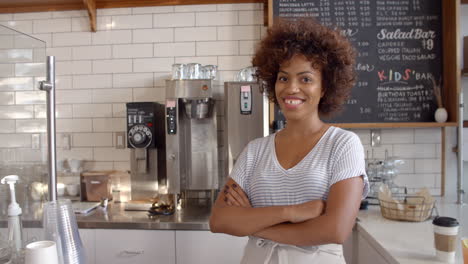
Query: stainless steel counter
point(115, 217)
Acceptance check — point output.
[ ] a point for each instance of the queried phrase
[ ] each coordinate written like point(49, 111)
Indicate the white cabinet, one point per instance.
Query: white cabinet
point(204, 247)
point(134, 246)
point(87, 237)
point(3, 233)
point(89, 243)
point(366, 253)
point(358, 250)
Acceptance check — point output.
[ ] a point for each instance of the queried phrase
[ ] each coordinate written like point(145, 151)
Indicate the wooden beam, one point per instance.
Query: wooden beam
point(14, 8)
point(91, 7)
point(451, 53)
point(11, 6)
point(140, 3)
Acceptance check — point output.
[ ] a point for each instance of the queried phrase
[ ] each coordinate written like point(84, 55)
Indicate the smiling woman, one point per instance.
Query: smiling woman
point(296, 193)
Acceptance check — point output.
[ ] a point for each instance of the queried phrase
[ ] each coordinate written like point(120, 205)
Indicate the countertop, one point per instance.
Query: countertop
point(397, 241)
point(409, 242)
point(115, 217)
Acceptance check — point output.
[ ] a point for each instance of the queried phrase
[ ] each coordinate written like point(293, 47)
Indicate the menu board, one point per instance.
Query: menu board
point(399, 49)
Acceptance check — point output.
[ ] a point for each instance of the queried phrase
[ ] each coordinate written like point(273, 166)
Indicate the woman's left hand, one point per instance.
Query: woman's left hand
point(236, 196)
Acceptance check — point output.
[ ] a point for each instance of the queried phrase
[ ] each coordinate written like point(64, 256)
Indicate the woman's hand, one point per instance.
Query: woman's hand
point(236, 196)
point(305, 211)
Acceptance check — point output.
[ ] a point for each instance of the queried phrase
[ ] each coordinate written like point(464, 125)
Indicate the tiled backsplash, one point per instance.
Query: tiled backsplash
point(128, 60)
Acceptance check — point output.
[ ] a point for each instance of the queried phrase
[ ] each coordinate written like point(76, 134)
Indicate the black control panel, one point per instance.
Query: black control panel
point(171, 117)
point(143, 123)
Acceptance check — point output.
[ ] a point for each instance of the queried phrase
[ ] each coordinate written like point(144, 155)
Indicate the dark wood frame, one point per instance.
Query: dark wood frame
point(451, 71)
point(451, 74)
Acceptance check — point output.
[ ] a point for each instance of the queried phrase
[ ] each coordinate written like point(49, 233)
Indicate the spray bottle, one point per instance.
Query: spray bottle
point(15, 230)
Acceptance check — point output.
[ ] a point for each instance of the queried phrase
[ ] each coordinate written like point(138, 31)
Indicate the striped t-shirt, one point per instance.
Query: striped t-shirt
point(338, 155)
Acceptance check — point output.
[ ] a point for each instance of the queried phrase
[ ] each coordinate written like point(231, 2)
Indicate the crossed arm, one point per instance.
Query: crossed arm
point(303, 225)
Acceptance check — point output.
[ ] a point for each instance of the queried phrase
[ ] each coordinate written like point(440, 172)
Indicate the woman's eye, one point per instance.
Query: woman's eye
point(306, 79)
point(282, 79)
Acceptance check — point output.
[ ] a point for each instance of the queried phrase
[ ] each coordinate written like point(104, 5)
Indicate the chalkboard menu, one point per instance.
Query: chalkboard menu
point(399, 44)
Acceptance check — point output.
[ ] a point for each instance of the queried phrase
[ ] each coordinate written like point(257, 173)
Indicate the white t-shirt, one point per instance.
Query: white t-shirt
point(338, 155)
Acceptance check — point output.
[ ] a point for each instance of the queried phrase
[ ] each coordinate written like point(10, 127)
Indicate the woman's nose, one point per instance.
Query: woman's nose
point(292, 87)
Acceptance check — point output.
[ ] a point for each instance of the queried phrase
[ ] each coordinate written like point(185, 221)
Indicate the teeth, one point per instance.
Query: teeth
point(292, 101)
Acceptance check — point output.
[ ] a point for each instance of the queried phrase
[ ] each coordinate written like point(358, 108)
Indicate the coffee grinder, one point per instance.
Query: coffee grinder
point(145, 137)
point(191, 140)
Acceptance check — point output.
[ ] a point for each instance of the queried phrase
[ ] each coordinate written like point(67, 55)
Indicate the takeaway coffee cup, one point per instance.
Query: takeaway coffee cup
point(445, 238)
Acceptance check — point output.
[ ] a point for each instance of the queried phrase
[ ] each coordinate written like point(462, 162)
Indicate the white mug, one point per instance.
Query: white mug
point(41, 252)
point(73, 189)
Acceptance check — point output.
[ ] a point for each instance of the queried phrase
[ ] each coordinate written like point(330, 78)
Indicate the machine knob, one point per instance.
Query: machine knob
point(138, 138)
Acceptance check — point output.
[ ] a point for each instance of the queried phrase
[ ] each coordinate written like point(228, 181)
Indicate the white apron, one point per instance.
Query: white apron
point(258, 251)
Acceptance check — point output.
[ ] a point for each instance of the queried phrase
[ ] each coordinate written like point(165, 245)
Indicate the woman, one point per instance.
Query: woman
point(296, 193)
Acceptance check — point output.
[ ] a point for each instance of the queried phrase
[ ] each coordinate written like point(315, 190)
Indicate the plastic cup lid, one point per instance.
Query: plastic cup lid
point(445, 221)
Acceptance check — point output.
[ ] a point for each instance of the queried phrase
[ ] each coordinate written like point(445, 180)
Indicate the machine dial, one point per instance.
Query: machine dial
point(140, 136)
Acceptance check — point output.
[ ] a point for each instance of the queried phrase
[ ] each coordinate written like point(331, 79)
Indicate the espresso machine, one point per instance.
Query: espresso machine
point(145, 139)
point(191, 138)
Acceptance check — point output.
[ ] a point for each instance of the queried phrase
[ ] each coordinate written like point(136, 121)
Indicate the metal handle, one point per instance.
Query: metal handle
point(133, 252)
point(460, 191)
point(49, 87)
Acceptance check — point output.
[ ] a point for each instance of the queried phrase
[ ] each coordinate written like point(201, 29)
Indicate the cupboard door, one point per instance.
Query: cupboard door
point(3, 233)
point(88, 238)
point(135, 246)
point(367, 254)
point(204, 247)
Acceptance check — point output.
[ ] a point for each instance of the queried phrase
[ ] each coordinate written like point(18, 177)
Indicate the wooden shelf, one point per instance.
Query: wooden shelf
point(20, 6)
point(396, 125)
point(464, 73)
point(464, 1)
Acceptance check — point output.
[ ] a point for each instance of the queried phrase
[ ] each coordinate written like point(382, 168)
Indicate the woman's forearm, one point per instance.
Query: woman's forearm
point(332, 227)
point(244, 221)
point(233, 214)
point(317, 231)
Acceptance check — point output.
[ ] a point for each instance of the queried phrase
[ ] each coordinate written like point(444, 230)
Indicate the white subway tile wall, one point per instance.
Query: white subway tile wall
point(419, 148)
point(127, 60)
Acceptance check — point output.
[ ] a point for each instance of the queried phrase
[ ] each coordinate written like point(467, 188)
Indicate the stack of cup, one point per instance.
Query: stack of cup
point(41, 252)
point(60, 226)
point(445, 238)
point(182, 71)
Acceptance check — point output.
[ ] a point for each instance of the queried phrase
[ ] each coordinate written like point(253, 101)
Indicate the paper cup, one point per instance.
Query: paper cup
point(464, 245)
point(41, 252)
point(445, 238)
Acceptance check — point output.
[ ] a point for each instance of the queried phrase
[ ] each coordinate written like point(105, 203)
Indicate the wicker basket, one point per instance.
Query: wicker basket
point(415, 211)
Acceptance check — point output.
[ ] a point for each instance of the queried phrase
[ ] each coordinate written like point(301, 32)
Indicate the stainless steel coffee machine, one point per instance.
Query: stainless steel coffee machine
point(191, 136)
point(145, 137)
point(246, 118)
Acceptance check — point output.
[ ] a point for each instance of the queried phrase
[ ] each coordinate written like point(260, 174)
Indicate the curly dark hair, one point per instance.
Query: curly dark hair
point(324, 47)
